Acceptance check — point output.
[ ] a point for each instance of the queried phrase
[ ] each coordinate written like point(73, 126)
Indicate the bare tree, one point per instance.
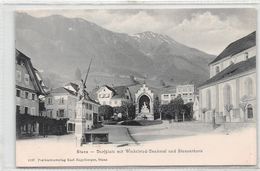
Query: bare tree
point(243, 105)
point(228, 108)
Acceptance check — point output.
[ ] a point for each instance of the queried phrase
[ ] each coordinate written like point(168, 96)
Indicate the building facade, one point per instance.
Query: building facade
point(230, 93)
point(60, 103)
point(185, 91)
point(28, 90)
point(114, 96)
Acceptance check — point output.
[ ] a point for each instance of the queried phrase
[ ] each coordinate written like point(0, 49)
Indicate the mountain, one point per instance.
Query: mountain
point(58, 46)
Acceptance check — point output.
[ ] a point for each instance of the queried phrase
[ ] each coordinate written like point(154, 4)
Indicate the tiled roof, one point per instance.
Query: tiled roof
point(237, 47)
point(232, 70)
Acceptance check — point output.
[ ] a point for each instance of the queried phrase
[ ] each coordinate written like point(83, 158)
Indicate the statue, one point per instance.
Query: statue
point(82, 93)
point(144, 108)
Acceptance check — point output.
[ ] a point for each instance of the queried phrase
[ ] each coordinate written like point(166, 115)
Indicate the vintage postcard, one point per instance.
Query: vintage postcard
point(135, 87)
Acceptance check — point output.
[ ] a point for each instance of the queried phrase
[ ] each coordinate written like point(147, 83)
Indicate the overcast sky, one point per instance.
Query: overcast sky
point(209, 30)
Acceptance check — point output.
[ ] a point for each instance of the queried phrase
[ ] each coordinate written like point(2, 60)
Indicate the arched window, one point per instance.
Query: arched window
point(217, 69)
point(250, 112)
point(248, 87)
point(208, 99)
point(227, 94)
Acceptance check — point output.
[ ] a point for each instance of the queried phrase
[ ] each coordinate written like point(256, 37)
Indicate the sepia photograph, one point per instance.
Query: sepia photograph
point(136, 87)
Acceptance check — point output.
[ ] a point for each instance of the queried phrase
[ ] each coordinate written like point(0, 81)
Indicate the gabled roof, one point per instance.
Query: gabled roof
point(237, 47)
point(232, 70)
point(31, 71)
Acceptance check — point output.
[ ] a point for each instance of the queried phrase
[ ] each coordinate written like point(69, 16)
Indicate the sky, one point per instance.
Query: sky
point(209, 30)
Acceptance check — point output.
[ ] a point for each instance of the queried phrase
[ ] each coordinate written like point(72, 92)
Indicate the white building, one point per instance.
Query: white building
point(186, 92)
point(230, 92)
point(114, 96)
point(60, 103)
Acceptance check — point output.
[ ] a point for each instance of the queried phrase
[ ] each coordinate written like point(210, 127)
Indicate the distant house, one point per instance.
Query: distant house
point(229, 94)
point(186, 92)
point(114, 96)
point(60, 103)
point(28, 89)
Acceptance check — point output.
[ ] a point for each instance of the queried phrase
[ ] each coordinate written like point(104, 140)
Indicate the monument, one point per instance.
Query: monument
point(80, 120)
point(144, 98)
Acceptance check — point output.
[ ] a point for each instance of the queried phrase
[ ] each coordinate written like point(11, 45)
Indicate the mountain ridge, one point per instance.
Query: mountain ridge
point(155, 57)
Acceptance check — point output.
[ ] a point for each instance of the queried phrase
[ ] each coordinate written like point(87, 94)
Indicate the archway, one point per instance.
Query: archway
point(250, 112)
point(144, 99)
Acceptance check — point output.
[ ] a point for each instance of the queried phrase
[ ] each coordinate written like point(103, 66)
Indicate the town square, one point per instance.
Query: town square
point(83, 85)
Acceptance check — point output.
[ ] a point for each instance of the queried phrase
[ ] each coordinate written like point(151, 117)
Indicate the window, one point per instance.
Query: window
point(61, 112)
point(61, 100)
point(26, 79)
point(49, 101)
point(166, 96)
point(90, 106)
point(217, 69)
point(18, 93)
point(26, 95)
point(250, 113)
point(246, 55)
point(33, 96)
point(18, 109)
point(86, 116)
point(26, 110)
point(227, 93)
point(18, 76)
point(248, 87)
point(90, 117)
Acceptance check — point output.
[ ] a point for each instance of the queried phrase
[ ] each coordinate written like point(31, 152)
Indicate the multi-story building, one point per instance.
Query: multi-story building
point(28, 89)
point(60, 103)
point(186, 92)
point(114, 96)
point(230, 92)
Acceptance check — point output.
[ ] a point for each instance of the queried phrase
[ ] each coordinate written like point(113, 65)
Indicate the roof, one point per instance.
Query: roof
point(237, 47)
point(119, 91)
point(74, 85)
point(62, 90)
point(31, 71)
point(232, 70)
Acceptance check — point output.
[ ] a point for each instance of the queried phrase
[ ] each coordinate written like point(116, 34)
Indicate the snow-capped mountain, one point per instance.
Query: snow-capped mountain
point(58, 45)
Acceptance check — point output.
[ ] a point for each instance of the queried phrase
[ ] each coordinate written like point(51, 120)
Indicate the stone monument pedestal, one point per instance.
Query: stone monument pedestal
point(80, 122)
